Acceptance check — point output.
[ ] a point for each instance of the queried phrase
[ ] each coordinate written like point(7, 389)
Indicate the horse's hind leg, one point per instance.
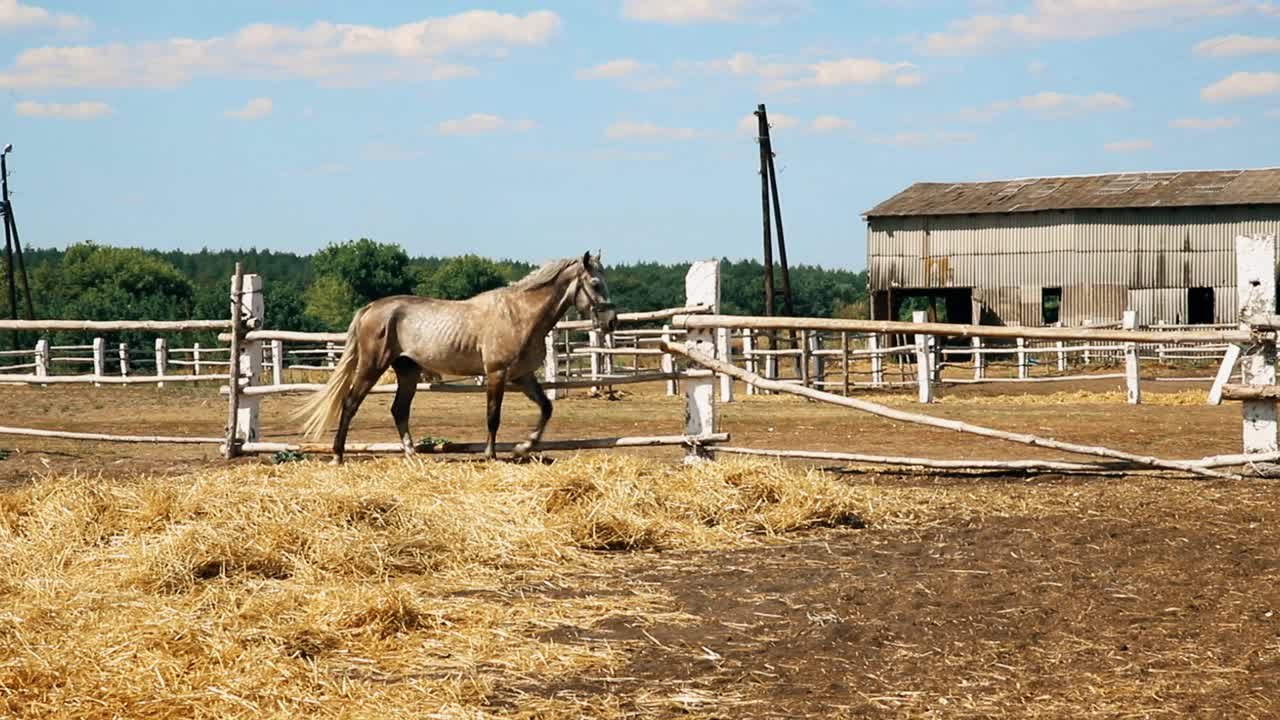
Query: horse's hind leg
point(407, 374)
point(495, 388)
point(365, 378)
point(535, 393)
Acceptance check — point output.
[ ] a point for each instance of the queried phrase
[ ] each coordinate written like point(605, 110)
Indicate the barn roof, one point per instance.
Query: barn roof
point(1121, 190)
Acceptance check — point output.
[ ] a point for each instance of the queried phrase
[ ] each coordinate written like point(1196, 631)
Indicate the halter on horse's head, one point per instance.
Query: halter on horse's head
point(591, 294)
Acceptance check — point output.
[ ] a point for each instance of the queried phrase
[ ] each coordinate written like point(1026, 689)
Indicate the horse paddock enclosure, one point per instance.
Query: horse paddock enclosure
point(166, 580)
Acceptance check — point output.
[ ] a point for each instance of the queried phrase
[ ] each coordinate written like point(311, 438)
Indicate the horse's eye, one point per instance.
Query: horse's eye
point(595, 282)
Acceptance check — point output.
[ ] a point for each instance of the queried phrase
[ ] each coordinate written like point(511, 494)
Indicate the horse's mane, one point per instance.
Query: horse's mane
point(544, 275)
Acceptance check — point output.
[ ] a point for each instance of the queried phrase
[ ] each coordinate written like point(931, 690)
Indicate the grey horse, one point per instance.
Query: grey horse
point(497, 334)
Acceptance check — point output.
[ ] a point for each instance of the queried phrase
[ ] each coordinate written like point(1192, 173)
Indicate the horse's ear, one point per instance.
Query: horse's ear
point(586, 259)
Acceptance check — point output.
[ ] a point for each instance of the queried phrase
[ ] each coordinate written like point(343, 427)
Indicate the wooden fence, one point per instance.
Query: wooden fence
point(695, 335)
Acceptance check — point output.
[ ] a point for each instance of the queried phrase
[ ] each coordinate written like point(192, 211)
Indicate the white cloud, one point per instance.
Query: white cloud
point(632, 74)
point(1218, 123)
point(16, 16)
point(1242, 85)
point(1272, 114)
point(1231, 45)
point(917, 139)
point(750, 124)
point(73, 111)
point(621, 67)
point(481, 123)
point(1049, 105)
point(911, 80)
point(686, 12)
point(1074, 19)
point(856, 71)
point(1037, 68)
point(648, 131)
point(253, 110)
point(831, 123)
point(1124, 146)
point(327, 53)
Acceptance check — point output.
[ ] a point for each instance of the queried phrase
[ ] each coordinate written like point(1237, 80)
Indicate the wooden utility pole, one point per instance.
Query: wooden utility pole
point(763, 139)
point(766, 147)
point(11, 227)
point(8, 250)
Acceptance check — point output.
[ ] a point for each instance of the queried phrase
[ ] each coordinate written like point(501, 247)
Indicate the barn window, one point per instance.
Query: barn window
point(1200, 305)
point(1050, 305)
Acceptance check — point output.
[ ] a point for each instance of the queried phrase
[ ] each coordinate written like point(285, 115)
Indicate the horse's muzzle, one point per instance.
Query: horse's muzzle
point(604, 317)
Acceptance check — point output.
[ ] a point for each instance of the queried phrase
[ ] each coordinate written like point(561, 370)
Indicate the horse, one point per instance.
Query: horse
point(498, 334)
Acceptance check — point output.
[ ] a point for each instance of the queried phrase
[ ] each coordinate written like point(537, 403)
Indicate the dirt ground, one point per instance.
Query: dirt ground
point(979, 596)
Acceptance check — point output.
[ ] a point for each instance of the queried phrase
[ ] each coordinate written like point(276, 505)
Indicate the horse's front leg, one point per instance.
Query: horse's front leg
point(534, 392)
point(495, 386)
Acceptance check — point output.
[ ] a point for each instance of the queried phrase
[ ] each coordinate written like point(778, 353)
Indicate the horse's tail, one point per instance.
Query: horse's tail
point(325, 404)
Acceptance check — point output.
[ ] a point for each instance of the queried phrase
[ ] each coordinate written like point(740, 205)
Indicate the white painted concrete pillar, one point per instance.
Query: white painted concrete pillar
point(246, 368)
point(701, 287)
point(99, 358)
point(924, 376)
point(1022, 358)
point(877, 360)
point(1256, 258)
point(1133, 392)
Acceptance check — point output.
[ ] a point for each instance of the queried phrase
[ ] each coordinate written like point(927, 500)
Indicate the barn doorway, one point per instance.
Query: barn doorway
point(1200, 310)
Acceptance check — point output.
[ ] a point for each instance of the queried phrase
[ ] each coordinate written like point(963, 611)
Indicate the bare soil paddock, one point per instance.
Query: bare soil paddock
point(965, 596)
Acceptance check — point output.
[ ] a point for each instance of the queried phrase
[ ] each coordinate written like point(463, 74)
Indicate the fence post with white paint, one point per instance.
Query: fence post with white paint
point(1133, 392)
point(979, 359)
point(99, 359)
point(701, 287)
point(669, 363)
point(551, 364)
point(877, 360)
point(277, 362)
point(924, 374)
point(247, 368)
point(42, 357)
point(1022, 358)
point(123, 354)
point(162, 359)
point(1256, 258)
point(724, 349)
point(195, 358)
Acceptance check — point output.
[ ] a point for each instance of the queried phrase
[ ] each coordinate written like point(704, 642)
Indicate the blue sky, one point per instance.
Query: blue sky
point(538, 129)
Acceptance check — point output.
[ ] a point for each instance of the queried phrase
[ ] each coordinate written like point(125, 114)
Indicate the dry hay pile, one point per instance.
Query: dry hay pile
point(380, 589)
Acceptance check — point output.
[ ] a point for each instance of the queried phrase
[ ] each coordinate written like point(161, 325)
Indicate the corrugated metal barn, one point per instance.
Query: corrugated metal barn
point(1075, 250)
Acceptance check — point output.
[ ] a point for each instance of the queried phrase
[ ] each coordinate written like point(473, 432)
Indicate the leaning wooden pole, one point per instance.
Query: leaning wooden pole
point(917, 418)
point(762, 139)
point(767, 147)
point(231, 448)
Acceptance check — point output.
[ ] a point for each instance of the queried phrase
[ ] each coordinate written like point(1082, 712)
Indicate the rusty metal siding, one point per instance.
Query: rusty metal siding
point(1097, 257)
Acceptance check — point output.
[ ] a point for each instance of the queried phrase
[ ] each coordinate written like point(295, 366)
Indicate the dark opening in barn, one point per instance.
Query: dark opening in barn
point(1050, 304)
point(1200, 305)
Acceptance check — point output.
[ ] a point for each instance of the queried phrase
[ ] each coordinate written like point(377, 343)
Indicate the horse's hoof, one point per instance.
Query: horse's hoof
point(521, 450)
point(335, 462)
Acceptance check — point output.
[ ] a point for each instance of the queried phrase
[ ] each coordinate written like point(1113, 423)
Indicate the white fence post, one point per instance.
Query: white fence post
point(124, 359)
point(42, 357)
point(1022, 358)
point(877, 360)
point(668, 362)
point(701, 287)
point(551, 364)
point(979, 359)
point(924, 377)
point(162, 359)
point(724, 348)
point(248, 366)
point(99, 358)
point(195, 358)
point(1133, 391)
point(277, 362)
point(593, 342)
point(1062, 356)
point(1256, 278)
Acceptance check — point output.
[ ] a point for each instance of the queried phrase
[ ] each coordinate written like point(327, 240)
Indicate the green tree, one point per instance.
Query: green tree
point(329, 302)
point(462, 277)
point(370, 269)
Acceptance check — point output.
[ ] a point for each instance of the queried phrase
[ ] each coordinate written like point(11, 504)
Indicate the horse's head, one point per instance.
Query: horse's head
point(591, 294)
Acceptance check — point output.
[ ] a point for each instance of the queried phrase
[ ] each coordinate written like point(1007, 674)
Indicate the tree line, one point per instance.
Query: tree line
point(321, 291)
